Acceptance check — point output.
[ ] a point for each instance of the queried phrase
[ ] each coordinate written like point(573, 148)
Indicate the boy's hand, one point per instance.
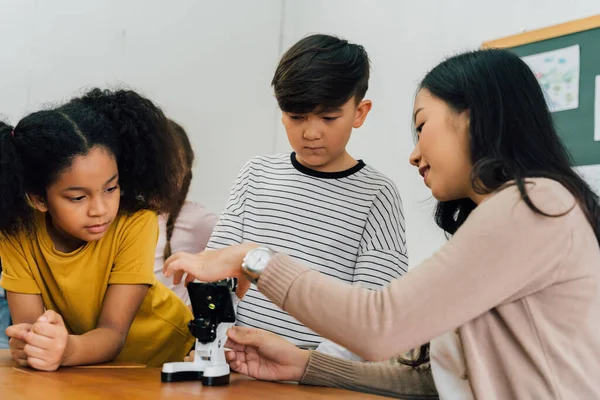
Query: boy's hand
point(47, 342)
point(210, 265)
point(17, 334)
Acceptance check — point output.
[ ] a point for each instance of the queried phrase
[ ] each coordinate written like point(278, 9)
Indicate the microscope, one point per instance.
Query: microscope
point(213, 305)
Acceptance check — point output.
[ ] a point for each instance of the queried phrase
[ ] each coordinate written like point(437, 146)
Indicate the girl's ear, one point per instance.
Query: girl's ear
point(38, 202)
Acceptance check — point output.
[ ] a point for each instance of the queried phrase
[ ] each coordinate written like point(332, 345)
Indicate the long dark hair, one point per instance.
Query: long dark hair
point(185, 149)
point(512, 133)
point(512, 137)
point(43, 144)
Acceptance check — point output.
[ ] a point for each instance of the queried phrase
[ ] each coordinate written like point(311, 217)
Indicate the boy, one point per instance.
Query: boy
point(317, 204)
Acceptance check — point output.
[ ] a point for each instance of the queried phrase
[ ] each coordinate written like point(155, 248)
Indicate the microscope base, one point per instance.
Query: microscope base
point(210, 375)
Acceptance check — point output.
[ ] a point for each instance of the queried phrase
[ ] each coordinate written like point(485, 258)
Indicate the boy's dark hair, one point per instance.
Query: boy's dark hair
point(44, 143)
point(185, 150)
point(321, 72)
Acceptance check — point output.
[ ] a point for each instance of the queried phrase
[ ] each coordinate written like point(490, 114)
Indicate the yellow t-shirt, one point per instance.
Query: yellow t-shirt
point(74, 284)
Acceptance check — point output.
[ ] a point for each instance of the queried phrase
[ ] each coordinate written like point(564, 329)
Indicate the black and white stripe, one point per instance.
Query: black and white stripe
point(348, 225)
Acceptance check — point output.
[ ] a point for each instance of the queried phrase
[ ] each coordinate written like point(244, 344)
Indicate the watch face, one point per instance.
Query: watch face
point(258, 258)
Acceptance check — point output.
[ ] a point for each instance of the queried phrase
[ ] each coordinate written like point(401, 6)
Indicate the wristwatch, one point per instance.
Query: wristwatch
point(255, 261)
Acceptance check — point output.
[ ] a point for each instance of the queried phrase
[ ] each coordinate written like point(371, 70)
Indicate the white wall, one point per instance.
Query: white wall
point(208, 63)
point(405, 39)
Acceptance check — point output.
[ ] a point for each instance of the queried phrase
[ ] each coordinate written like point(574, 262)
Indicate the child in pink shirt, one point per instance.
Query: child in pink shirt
point(187, 227)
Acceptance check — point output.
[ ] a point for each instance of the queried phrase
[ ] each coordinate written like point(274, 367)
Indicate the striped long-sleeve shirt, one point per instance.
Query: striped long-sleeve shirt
point(348, 225)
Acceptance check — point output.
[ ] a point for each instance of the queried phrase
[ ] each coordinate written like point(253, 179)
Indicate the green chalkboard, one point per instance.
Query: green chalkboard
point(576, 126)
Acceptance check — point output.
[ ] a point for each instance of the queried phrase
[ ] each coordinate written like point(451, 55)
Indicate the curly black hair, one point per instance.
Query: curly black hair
point(132, 128)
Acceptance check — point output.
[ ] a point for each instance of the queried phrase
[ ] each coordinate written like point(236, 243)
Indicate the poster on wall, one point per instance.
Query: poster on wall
point(557, 72)
point(591, 174)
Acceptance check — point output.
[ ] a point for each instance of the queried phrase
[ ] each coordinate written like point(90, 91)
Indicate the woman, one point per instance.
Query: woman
point(511, 304)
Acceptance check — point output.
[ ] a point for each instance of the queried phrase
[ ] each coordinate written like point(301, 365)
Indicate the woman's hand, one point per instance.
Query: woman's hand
point(264, 355)
point(210, 266)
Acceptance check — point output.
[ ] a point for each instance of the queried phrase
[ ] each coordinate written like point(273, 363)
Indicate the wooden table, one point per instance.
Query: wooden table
point(115, 381)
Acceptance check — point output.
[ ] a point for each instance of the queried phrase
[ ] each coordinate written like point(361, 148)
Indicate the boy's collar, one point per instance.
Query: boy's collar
point(360, 164)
